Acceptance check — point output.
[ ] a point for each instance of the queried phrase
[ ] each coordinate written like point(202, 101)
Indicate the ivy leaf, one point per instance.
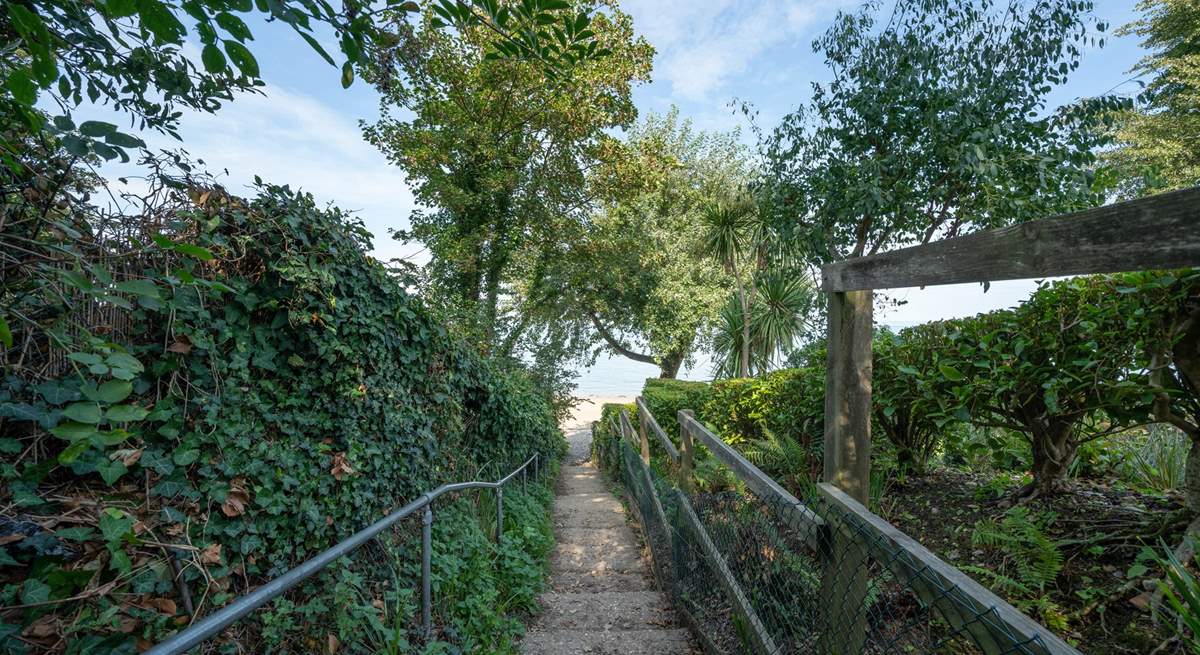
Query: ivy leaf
point(72, 452)
point(190, 250)
point(125, 413)
point(84, 412)
point(72, 431)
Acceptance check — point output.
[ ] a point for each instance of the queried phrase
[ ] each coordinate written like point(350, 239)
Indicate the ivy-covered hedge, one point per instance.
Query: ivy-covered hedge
point(268, 389)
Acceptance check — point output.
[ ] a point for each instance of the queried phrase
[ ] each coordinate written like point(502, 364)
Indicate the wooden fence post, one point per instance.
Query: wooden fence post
point(642, 434)
point(847, 466)
point(848, 394)
point(686, 460)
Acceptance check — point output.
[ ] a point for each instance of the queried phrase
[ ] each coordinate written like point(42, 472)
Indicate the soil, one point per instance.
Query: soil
point(1100, 529)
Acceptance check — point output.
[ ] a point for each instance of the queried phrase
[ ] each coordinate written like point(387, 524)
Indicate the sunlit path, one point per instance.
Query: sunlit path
point(601, 598)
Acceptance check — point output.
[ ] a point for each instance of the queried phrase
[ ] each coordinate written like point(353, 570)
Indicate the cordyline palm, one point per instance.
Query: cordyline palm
point(763, 317)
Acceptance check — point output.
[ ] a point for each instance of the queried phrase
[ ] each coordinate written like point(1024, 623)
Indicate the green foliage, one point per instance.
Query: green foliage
point(1156, 140)
point(268, 383)
point(1181, 589)
point(935, 124)
point(1157, 462)
point(498, 152)
point(910, 407)
point(633, 272)
point(664, 398)
point(1031, 560)
point(129, 54)
point(1061, 369)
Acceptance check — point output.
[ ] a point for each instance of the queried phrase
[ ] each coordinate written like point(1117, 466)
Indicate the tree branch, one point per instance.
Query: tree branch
point(616, 345)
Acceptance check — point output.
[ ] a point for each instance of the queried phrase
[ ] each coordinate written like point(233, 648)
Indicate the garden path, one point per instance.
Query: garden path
point(602, 599)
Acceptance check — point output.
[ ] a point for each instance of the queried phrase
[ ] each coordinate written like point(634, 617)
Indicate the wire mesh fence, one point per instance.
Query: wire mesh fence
point(755, 569)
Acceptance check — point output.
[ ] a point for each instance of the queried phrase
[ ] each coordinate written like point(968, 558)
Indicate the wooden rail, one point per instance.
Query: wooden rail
point(650, 424)
point(1157, 232)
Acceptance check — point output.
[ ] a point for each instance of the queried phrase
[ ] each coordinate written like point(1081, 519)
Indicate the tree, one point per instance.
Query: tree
point(632, 269)
point(130, 54)
point(764, 318)
point(497, 152)
point(910, 404)
point(1157, 142)
point(935, 125)
point(1061, 369)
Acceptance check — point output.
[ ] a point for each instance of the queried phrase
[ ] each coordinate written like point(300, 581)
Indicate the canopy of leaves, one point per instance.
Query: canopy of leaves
point(935, 124)
point(130, 54)
point(498, 152)
point(1157, 142)
point(634, 269)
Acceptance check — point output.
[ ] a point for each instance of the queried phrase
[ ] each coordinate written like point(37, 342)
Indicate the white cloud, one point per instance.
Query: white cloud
point(704, 46)
point(290, 138)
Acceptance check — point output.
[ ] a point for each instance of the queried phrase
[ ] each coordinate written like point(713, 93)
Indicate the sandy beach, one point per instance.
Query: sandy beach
point(589, 410)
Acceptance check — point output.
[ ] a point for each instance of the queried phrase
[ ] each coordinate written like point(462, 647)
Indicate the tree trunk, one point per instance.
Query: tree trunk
point(1053, 451)
point(744, 364)
point(669, 365)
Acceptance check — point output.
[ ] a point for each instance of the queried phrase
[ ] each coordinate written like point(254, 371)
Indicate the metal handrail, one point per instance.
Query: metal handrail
point(214, 623)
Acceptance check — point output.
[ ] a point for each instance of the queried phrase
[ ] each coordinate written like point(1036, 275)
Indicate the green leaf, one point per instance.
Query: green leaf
point(194, 251)
point(6, 337)
point(72, 452)
point(84, 412)
point(908, 370)
point(113, 391)
point(72, 431)
point(21, 86)
point(111, 471)
point(115, 525)
point(139, 287)
point(75, 534)
point(185, 457)
point(234, 26)
point(241, 57)
point(347, 75)
point(950, 373)
point(125, 413)
point(213, 58)
point(111, 437)
point(96, 128)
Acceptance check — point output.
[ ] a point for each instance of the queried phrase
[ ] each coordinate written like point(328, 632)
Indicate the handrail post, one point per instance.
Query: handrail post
point(426, 575)
point(499, 513)
point(686, 461)
point(537, 467)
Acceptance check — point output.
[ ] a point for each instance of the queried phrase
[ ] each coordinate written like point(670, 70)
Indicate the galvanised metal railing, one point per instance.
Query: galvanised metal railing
point(214, 623)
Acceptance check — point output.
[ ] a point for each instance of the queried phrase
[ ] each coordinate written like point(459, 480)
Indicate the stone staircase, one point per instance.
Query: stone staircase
point(602, 599)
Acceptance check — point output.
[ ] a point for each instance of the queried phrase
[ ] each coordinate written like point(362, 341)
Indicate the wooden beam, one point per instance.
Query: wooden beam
point(1158, 232)
point(651, 424)
point(961, 600)
point(798, 515)
point(848, 393)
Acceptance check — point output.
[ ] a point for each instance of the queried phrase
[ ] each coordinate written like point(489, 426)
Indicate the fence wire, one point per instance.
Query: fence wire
point(750, 577)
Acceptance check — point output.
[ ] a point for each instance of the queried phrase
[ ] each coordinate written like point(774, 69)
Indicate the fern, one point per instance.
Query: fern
point(1030, 555)
point(782, 457)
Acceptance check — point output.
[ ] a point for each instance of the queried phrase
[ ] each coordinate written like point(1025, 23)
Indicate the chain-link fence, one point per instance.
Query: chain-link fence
point(756, 569)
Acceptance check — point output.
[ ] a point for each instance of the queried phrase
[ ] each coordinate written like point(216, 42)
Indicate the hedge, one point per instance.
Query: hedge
point(274, 389)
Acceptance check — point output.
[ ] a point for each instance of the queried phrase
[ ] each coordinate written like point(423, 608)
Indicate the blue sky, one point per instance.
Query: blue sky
point(304, 130)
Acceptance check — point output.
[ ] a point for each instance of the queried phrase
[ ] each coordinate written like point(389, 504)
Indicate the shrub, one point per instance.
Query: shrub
point(664, 398)
point(260, 389)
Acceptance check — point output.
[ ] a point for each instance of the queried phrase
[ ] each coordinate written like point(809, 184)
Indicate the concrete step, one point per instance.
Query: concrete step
point(605, 611)
point(612, 642)
point(596, 551)
point(607, 580)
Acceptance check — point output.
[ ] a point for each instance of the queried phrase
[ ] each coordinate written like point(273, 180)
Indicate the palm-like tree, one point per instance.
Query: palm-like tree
point(765, 315)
